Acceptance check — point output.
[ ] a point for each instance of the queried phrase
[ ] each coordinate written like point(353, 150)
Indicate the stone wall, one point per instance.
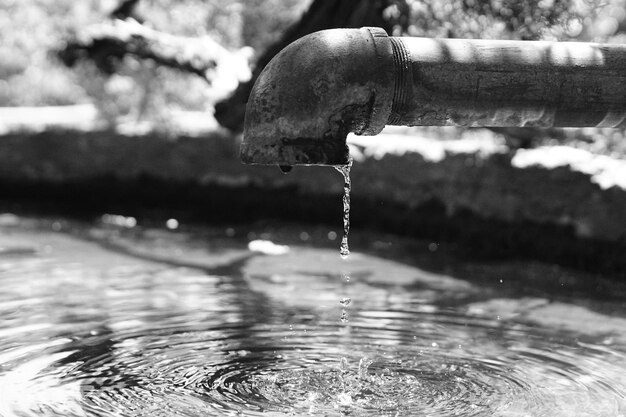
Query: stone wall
point(558, 204)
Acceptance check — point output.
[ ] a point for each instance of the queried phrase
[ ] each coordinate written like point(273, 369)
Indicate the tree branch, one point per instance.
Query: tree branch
point(107, 44)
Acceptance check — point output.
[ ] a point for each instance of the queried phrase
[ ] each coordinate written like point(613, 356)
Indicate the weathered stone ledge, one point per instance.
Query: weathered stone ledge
point(556, 185)
point(471, 192)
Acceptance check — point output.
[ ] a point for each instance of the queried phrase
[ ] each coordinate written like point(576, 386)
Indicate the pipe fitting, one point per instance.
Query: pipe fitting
point(316, 91)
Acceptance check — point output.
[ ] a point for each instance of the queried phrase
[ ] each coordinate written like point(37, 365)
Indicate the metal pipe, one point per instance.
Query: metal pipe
point(511, 83)
point(330, 83)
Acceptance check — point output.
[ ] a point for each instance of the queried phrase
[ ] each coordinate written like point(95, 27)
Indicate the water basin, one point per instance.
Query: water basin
point(106, 319)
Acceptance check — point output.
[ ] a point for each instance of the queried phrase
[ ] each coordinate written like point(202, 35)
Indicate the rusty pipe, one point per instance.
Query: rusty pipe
point(330, 83)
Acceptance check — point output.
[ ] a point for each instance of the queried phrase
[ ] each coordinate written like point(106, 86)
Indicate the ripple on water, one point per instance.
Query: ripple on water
point(488, 380)
point(266, 370)
point(153, 340)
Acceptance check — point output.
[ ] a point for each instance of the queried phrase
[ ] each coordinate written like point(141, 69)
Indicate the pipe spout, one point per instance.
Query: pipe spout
point(316, 91)
point(330, 83)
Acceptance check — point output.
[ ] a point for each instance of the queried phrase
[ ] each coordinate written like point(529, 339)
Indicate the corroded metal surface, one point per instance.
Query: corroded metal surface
point(515, 83)
point(316, 91)
point(333, 82)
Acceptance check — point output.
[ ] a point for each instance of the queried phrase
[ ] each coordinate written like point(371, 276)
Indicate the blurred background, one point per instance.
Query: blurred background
point(125, 100)
point(58, 53)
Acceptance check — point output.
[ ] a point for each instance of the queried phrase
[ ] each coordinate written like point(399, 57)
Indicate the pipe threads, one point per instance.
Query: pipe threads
point(402, 82)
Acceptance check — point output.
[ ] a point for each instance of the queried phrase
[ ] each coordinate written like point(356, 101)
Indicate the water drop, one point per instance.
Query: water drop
point(286, 169)
point(345, 301)
point(172, 224)
point(344, 251)
point(364, 364)
point(343, 364)
point(344, 316)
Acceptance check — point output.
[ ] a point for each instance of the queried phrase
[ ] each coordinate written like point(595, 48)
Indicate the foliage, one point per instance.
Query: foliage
point(583, 20)
point(30, 29)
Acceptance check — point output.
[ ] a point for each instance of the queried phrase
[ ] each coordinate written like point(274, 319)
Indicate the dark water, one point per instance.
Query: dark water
point(104, 320)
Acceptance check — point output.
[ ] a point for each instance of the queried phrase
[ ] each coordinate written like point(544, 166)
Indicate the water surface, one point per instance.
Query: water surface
point(113, 318)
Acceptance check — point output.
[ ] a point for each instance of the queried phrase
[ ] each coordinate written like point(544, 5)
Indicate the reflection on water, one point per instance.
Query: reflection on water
point(108, 321)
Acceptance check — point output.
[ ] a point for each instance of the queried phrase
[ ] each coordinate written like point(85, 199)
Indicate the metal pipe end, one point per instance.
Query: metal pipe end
point(316, 91)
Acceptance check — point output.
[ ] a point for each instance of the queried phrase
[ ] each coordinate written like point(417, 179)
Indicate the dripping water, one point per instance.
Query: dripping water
point(344, 251)
point(344, 304)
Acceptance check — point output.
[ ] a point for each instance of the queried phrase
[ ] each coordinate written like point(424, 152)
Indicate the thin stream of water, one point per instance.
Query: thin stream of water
point(344, 250)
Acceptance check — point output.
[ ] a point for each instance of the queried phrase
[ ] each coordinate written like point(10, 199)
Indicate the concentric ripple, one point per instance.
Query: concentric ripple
point(508, 379)
point(107, 334)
